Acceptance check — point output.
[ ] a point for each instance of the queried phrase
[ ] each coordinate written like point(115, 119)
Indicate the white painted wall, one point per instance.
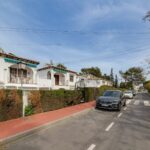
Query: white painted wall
point(5, 73)
point(2, 70)
point(91, 82)
point(42, 80)
point(66, 84)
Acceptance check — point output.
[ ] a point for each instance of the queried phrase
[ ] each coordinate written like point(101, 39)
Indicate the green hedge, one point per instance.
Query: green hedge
point(52, 100)
point(102, 89)
point(56, 99)
point(45, 100)
point(90, 94)
point(10, 104)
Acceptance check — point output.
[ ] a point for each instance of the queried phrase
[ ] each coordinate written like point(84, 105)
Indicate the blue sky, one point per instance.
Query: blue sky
point(78, 33)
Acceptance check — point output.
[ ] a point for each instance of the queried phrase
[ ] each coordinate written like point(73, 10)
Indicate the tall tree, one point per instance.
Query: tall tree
point(116, 81)
point(93, 71)
point(147, 68)
point(126, 85)
point(134, 75)
point(105, 76)
point(112, 76)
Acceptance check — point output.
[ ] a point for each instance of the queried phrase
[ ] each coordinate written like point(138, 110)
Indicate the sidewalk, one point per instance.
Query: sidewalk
point(19, 126)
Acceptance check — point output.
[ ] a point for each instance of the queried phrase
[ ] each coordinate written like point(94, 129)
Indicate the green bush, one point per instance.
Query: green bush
point(56, 99)
point(147, 86)
point(10, 104)
point(102, 89)
point(29, 110)
point(90, 94)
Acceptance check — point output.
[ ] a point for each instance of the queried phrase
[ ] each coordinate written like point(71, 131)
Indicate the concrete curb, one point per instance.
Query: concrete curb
point(39, 128)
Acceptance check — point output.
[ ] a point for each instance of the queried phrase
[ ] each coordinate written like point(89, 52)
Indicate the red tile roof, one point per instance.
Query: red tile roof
point(18, 58)
point(49, 67)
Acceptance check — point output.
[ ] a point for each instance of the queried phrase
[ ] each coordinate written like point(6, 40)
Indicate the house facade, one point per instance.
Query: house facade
point(52, 77)
point(92, 81)
point(17, 72)
point(21, 73)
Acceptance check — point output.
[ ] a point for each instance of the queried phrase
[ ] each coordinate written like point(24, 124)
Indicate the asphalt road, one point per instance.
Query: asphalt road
point(96, 130)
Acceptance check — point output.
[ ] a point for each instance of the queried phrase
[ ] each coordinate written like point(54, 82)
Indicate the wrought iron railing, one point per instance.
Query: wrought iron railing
point(21, 80)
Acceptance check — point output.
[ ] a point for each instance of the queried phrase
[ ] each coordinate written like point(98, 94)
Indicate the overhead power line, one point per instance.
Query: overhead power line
point(117, 53)
point(81, 32)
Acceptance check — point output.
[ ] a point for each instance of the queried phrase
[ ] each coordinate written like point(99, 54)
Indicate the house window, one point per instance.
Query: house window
point(18, 72)
point(49, 75)
point(71, 78)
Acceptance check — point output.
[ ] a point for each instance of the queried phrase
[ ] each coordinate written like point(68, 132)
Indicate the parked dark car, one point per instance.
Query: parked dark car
point(112, 99)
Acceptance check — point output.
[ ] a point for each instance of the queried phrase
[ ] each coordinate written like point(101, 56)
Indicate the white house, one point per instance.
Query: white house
point(17, 72)
point(52, 77)
point(21, 73)
point(92, 81)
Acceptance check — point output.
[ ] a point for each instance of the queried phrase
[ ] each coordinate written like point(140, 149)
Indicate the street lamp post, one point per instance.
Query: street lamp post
point(22, 66)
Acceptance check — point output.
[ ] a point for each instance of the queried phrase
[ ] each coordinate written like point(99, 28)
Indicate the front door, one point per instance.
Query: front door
point(56, 79)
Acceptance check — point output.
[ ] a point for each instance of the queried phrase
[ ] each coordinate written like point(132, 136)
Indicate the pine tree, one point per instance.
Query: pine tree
point(116, 81)
point(112, 76)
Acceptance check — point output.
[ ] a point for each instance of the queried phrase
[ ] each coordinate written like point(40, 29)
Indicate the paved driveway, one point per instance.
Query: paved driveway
point(96, 130)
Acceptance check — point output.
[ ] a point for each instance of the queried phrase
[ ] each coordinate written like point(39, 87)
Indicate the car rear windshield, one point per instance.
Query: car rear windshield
point(112, 93)
point(128, 92)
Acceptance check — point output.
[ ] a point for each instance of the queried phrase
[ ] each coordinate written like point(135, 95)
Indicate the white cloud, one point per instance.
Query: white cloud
point(102, 51)
point(96, 12)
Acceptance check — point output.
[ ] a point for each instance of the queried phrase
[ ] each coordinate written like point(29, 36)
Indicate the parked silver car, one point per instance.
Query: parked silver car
point(128, 94)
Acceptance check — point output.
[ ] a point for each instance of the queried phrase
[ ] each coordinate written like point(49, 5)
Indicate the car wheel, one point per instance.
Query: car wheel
point(124, 104)
point(119, 107)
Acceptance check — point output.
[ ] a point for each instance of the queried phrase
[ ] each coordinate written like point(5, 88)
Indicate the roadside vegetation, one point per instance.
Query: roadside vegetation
point(10, 104)
point(49, 100)
point(147, 85)
point(132, 76)
point(44, 101)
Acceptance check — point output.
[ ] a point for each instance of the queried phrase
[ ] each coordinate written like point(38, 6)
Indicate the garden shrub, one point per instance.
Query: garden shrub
point(91, 94)
point(45, 100)
point(2, 96)
point(56, 99)
point(10, 104)
point(102, 89)
point(52, 100)
point(35, 101)
point(29, 110)
point(147, 86)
